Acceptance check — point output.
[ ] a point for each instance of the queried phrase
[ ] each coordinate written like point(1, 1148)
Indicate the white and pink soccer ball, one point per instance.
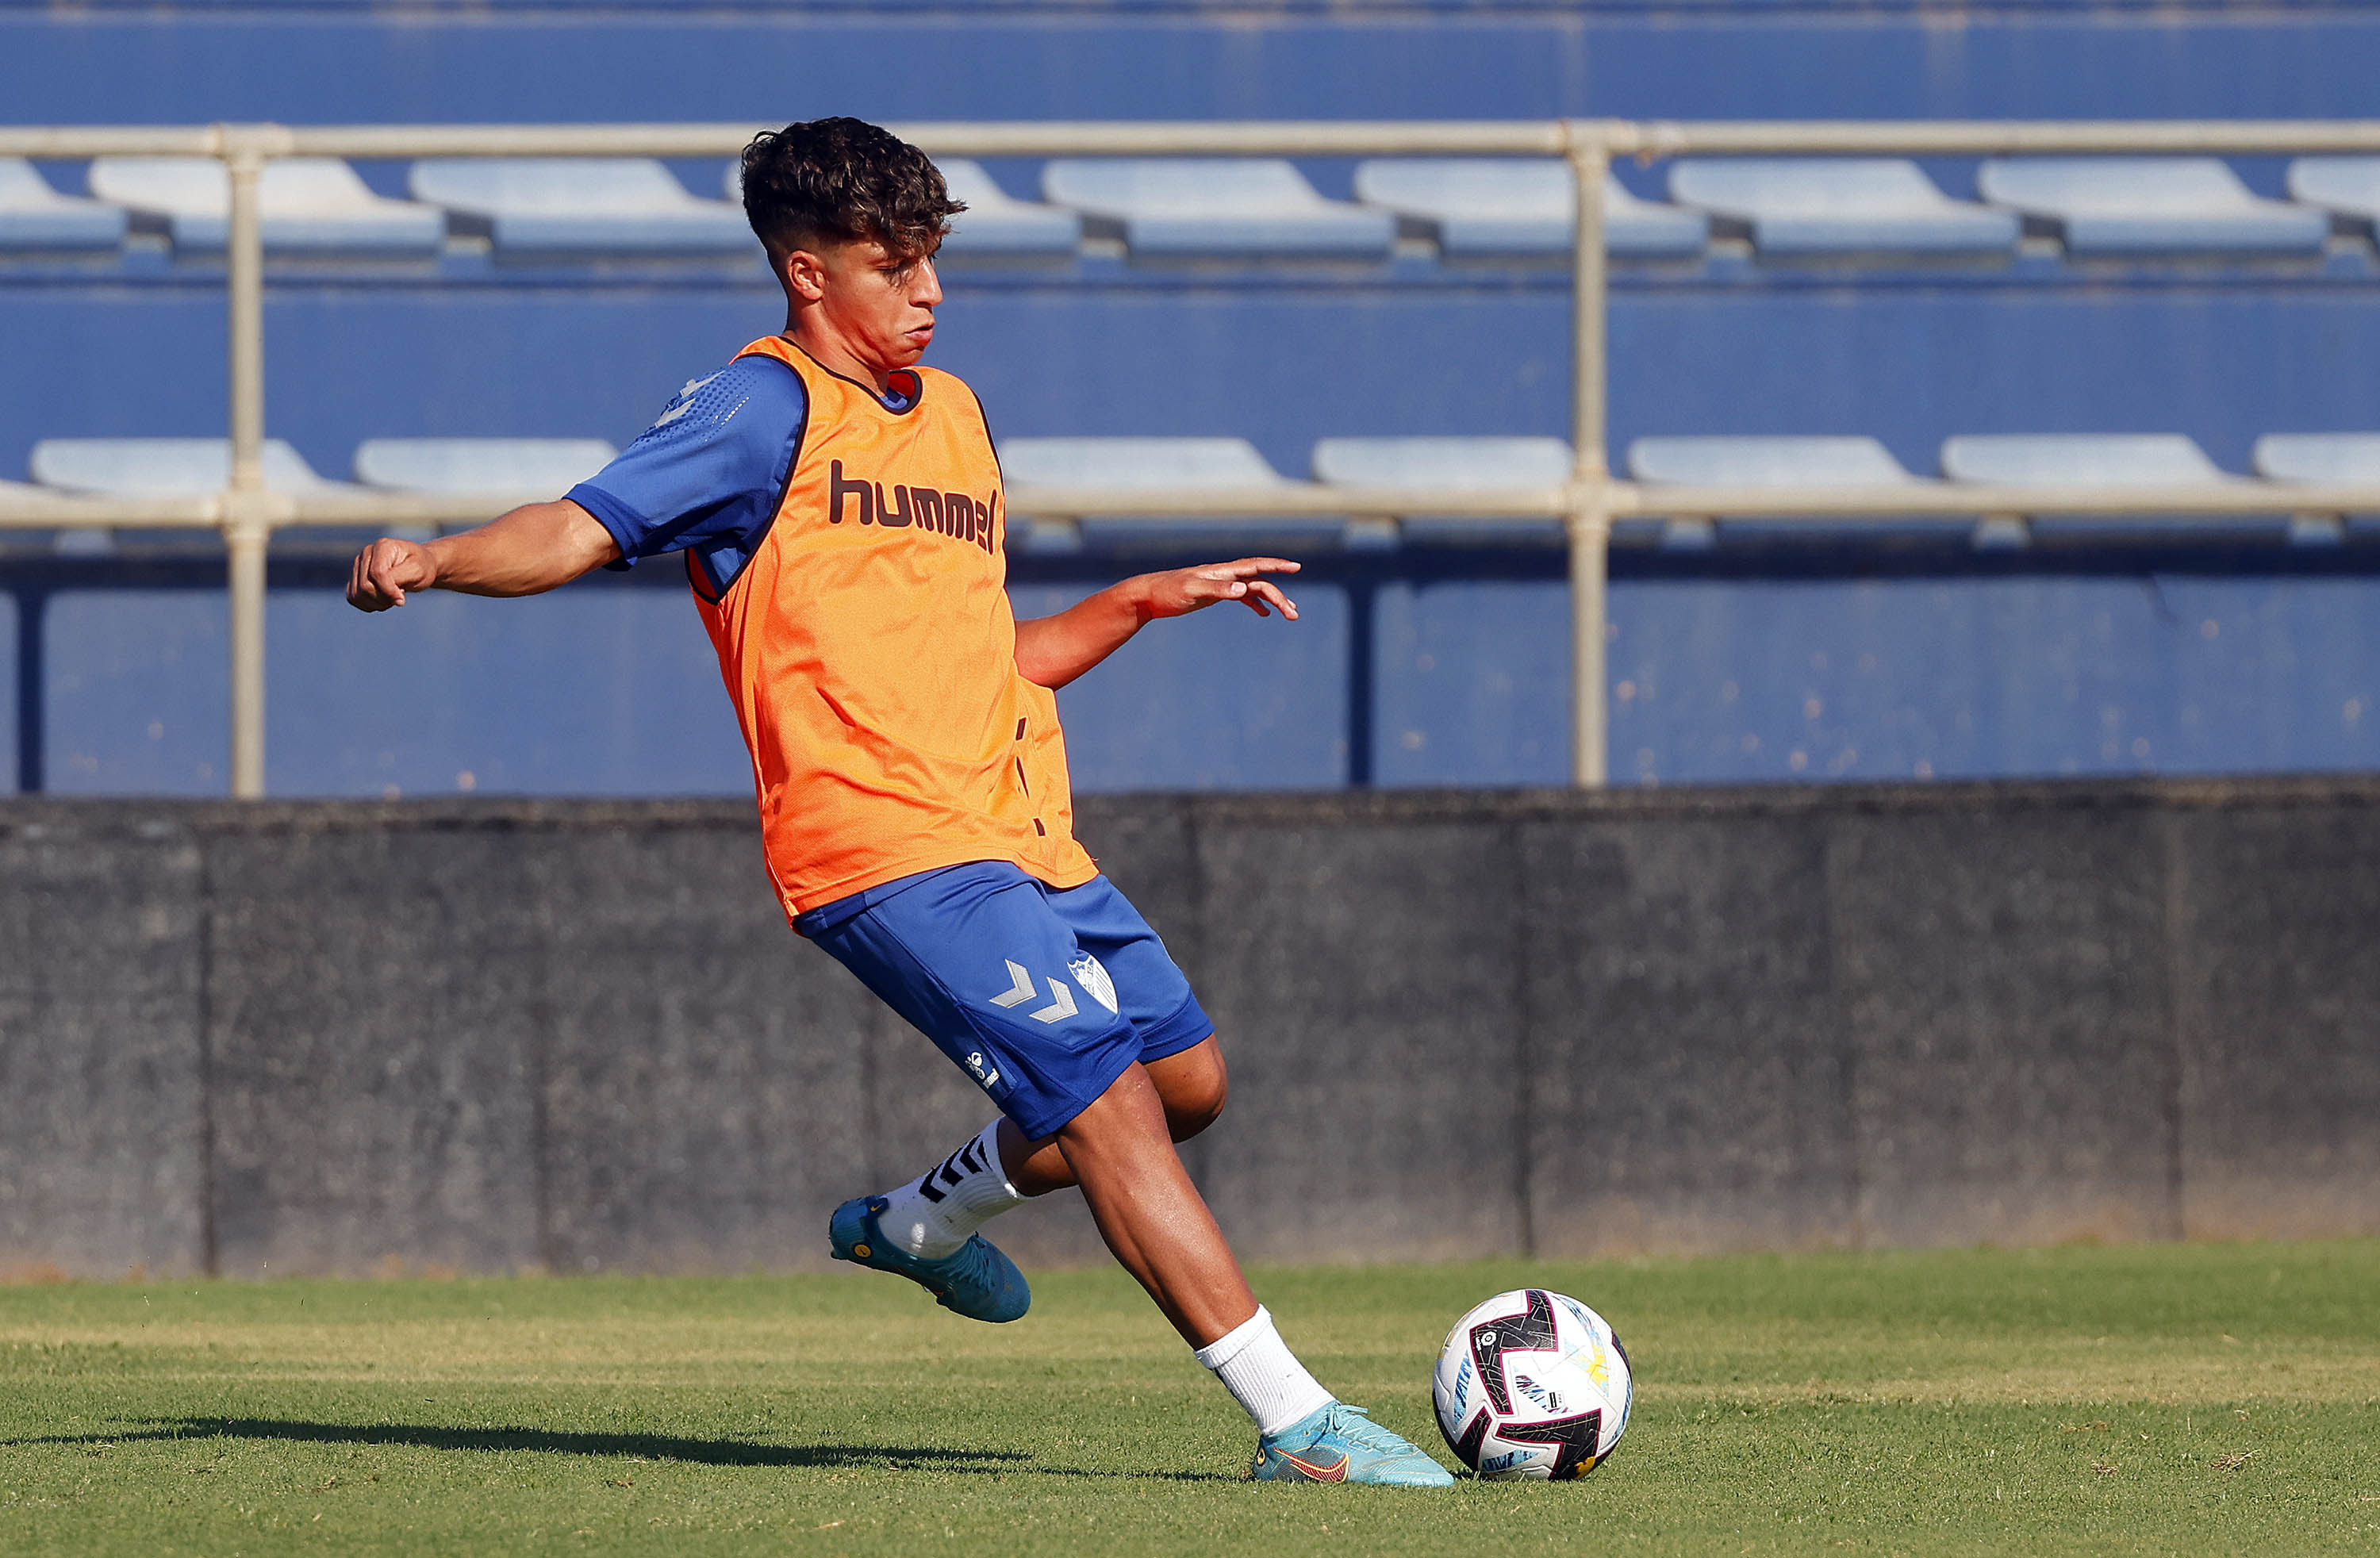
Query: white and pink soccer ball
point(1531, 1384)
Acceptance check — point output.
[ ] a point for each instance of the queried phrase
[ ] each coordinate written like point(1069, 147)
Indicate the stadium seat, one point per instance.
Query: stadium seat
point(2187, 205)
point(1168, 465)
point(1491, 206)
point(2097, 460)
point(162, 467)
point(1840, 205)
point(578, 205)
point(2332, 458)
point(1199, 207)
point(1775, 462)
point(309, 204)
point(535, 466)
point(2346, 185)
point(2081, 459)
point(1789, 461)
point(151, 467)
point(1457, 465)
point(36, 218)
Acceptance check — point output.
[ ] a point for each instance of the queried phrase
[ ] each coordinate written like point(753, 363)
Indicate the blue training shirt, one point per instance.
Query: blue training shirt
point(707, 477)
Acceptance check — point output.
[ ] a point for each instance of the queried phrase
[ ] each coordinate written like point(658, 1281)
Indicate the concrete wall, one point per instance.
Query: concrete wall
point(346, 1038)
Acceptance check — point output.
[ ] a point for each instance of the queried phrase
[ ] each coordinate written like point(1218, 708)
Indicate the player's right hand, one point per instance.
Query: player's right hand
point(385, 570)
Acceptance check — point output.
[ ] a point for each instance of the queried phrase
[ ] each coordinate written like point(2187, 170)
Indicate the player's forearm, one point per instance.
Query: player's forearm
point(535, 548)
point(1053, 651)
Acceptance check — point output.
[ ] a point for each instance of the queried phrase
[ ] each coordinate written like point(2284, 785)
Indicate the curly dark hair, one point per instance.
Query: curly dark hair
point(842, 180)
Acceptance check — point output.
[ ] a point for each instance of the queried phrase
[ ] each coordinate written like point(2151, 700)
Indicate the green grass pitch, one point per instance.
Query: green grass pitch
point(2164, 1399)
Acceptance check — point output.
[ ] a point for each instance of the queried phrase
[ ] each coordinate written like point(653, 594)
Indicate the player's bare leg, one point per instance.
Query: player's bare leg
point(1121, 1151)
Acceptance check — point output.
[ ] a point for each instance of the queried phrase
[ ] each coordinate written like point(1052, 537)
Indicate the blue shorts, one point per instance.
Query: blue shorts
point(1044, 996)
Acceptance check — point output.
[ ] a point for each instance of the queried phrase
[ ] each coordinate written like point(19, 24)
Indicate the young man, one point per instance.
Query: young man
point(841, 514)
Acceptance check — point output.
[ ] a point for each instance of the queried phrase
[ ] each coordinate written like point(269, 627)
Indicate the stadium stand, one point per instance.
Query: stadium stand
point(1194, 344)
point(1498, 206)
point(2176, 205)
point(36, 218)
point(1214, 207)
point(1838, 206)
point(542, 467)
point(562, 205)
point(312, 205)
point(1456, 465)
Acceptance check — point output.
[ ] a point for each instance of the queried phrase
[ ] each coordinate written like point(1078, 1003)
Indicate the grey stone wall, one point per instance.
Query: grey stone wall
point(287, 1038)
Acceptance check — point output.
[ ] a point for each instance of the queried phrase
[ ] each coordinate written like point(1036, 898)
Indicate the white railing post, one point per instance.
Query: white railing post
point(246, 510)
point(1589, 522)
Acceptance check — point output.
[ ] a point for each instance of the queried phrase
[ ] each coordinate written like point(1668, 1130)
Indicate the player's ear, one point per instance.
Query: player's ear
point(803, 274)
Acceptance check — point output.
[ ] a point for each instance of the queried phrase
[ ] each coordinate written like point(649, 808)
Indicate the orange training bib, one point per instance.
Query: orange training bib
point(870, 653)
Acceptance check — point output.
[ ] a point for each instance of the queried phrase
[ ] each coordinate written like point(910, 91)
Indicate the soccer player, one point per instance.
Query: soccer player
point(841, 515)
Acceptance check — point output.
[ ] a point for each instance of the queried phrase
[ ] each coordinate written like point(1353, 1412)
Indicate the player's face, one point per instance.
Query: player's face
point(881, 306)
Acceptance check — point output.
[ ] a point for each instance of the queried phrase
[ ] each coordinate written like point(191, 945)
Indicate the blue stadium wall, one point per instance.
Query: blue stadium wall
point(1423, 666)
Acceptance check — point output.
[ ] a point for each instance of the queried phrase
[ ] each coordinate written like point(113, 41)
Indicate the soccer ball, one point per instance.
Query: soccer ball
point(1533, 1384)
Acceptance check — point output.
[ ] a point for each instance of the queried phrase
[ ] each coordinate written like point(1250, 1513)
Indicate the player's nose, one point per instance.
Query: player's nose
point(929, 286)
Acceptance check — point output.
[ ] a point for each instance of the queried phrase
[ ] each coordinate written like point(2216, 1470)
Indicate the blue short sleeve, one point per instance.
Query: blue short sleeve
point(707, 477)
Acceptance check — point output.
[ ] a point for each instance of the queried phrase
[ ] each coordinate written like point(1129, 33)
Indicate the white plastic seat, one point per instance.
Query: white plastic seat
point(1476, 206)
point(1840, 205)
point(35, 217)
point(1168, 465)
point(1465, 465)
point(2350, 186)
point(162, 467)
point(2342, 459)
point(153, 467)
point(539, 467)
point(1778, 461)
point(2080, 460)
point(1195, 206)
point(2184, 206)
point(580, 205)
point(2331, 458)
point(1767, 461)
point(311, 204)
point(2106, 461)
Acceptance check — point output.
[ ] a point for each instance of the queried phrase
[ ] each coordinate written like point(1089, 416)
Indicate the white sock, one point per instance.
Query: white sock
point(934, 1213)
point(1263, 1375)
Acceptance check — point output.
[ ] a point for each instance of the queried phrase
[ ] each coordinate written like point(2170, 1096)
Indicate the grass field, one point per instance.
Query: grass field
point(2172, 1399)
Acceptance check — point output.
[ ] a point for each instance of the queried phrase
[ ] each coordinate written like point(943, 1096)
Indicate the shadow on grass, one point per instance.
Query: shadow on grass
point(633, 1446)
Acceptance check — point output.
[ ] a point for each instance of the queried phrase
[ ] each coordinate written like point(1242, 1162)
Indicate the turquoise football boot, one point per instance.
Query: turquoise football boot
point(974, 1280)
point(1337, 1444)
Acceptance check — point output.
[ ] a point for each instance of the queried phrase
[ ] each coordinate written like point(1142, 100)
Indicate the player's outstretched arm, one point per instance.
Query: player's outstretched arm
point(1053, 651)
point(534, 548)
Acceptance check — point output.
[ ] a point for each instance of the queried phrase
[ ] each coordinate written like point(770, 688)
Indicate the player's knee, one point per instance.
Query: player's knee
point(1193, 1087)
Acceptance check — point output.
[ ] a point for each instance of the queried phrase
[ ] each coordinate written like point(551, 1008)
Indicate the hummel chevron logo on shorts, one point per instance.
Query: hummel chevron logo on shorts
point(1061, 1002)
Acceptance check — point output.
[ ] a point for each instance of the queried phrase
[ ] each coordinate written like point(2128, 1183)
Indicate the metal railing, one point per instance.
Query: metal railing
point(247, 513)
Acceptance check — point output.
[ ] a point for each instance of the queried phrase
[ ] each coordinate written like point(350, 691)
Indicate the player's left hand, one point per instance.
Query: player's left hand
point(1189, 590)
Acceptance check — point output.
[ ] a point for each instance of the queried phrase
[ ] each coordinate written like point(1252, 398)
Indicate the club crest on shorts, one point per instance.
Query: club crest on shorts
point(1092, 977)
